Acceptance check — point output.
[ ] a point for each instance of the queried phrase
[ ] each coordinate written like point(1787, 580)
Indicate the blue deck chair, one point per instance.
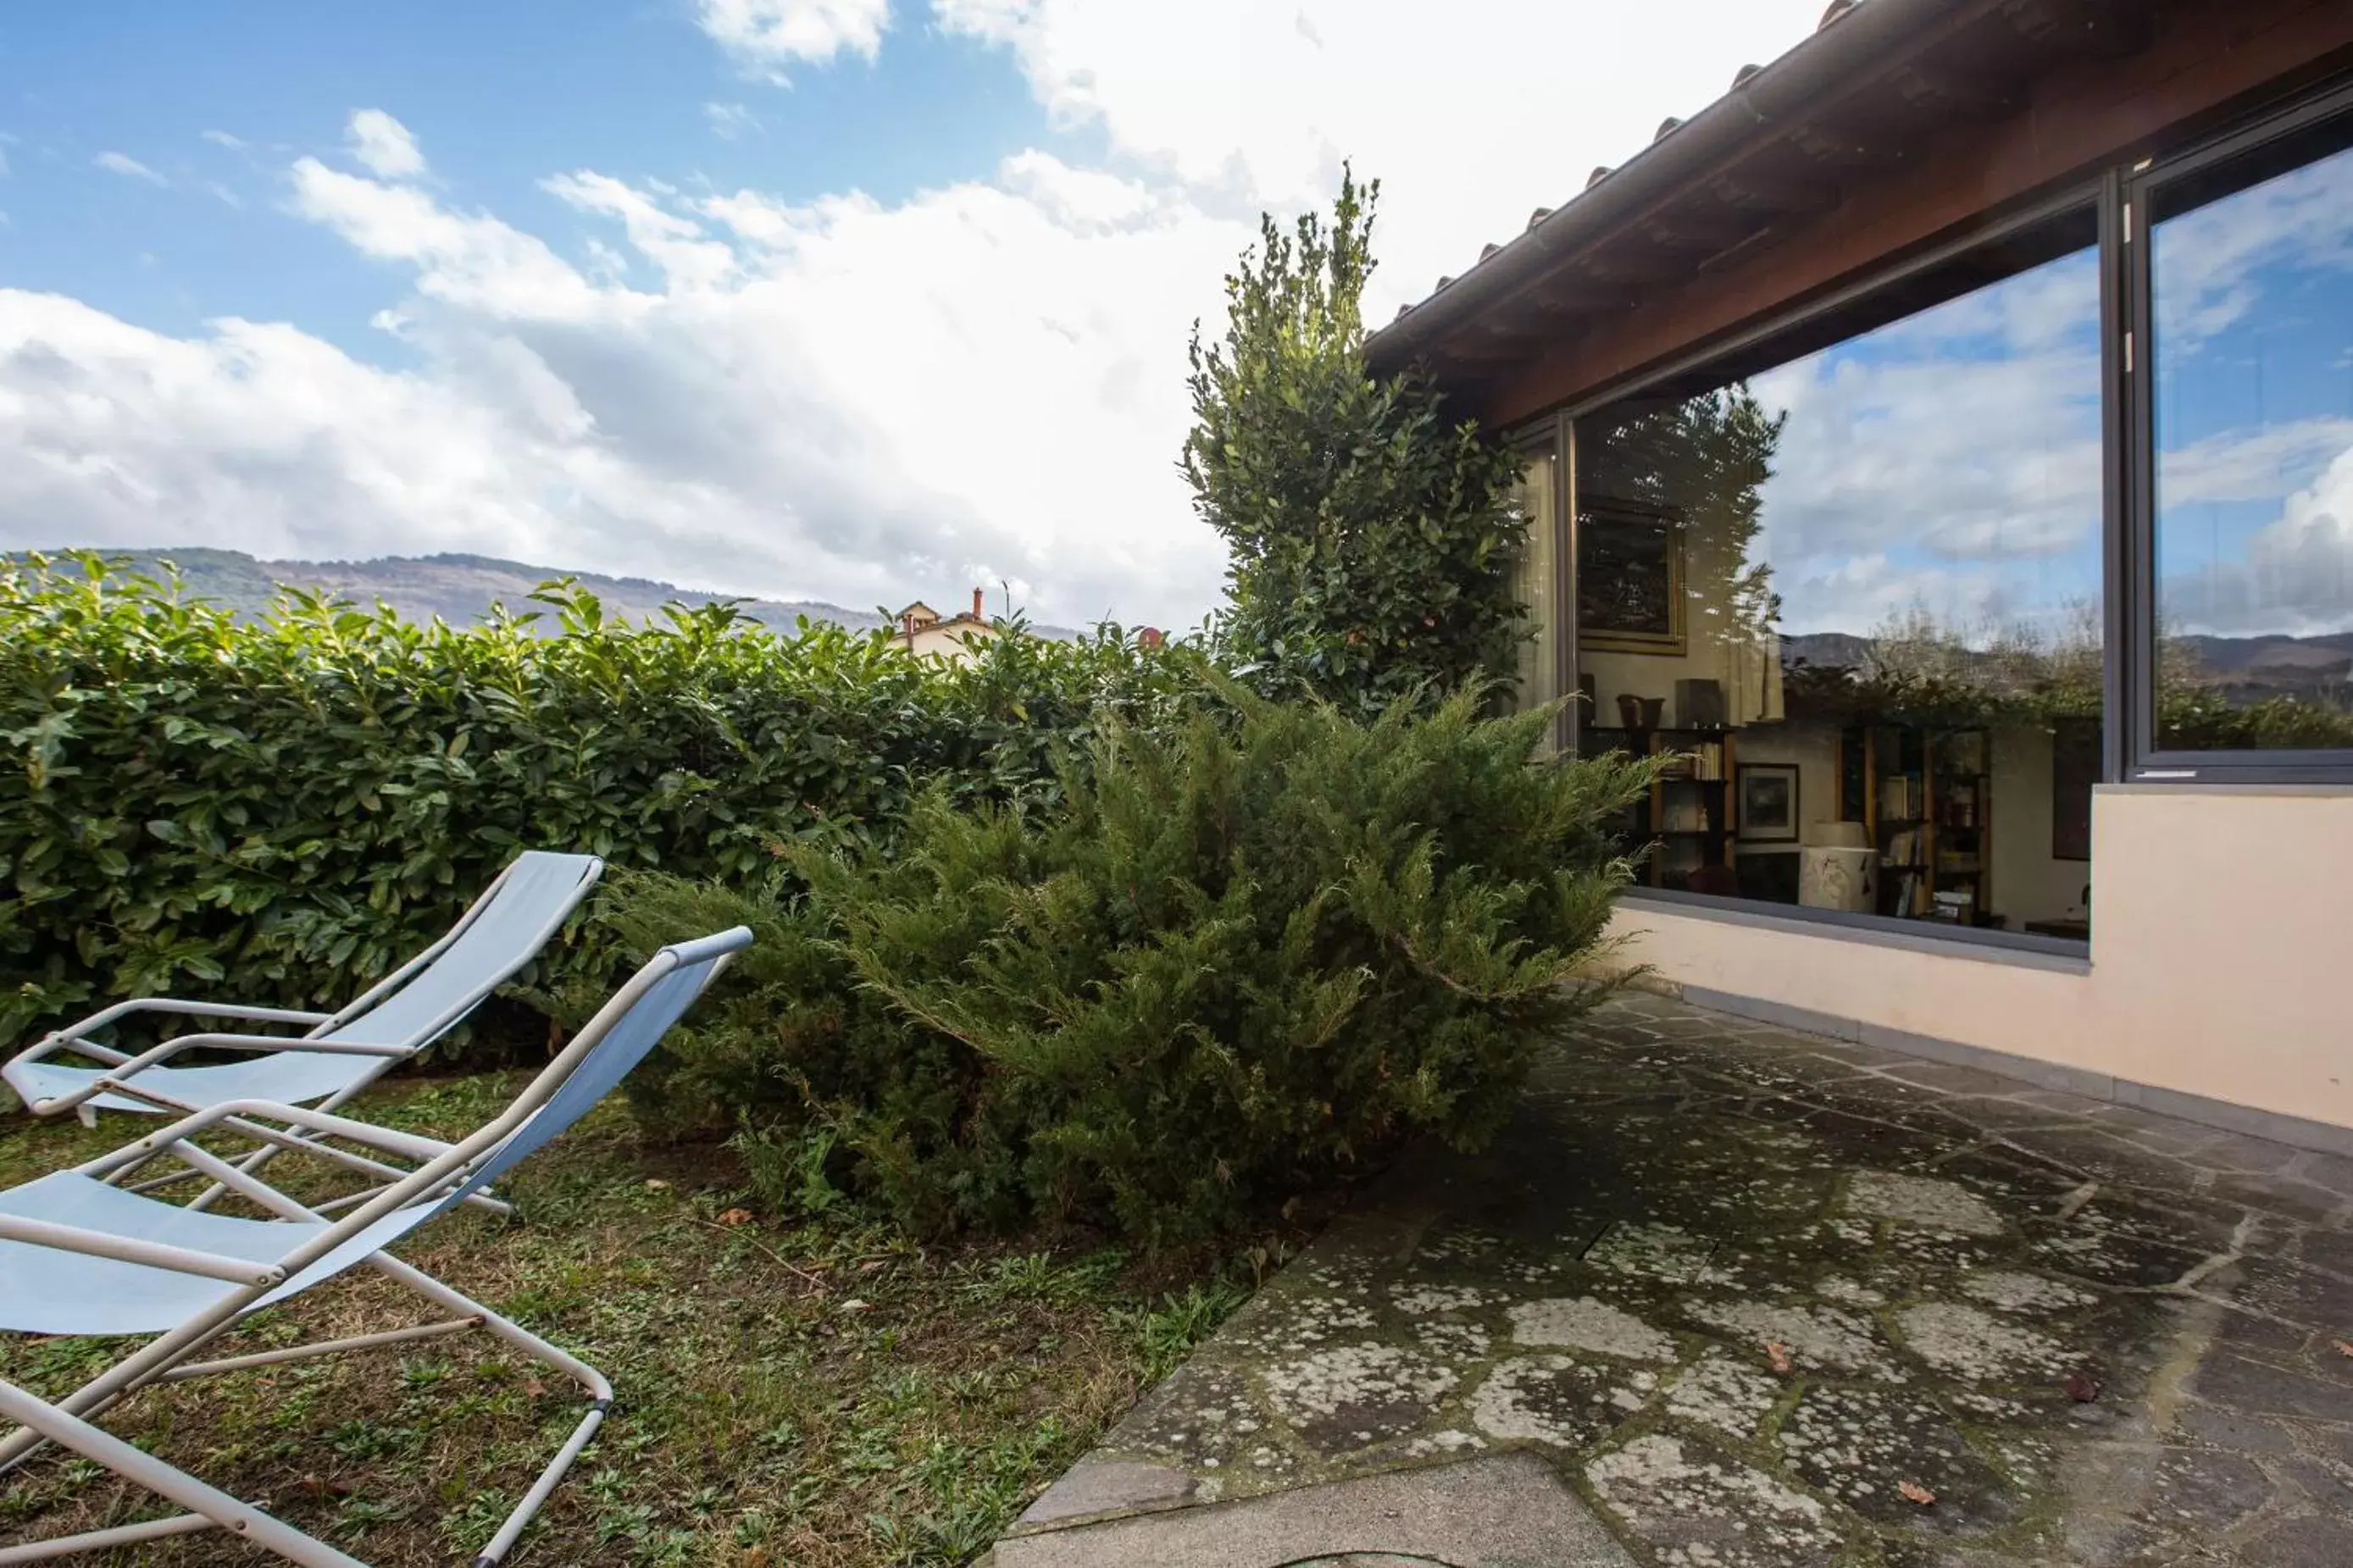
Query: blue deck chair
point(344, 1052)
point(81, 1254)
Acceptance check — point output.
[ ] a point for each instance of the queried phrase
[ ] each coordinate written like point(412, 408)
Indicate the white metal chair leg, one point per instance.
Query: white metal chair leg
point(107, 1540)
point(592, 1382)
point(71, 1431)
point(215, 1508)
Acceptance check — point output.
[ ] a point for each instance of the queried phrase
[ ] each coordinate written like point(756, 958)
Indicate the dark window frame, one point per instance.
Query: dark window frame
point(1559, 429)
point(2133, 550)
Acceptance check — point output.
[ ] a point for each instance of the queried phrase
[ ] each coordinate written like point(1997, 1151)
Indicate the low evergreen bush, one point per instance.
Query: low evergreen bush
point(193, 801)
point(1227, 960)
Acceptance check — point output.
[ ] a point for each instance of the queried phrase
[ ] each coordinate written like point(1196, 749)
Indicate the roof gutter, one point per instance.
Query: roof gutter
point(1868, 40)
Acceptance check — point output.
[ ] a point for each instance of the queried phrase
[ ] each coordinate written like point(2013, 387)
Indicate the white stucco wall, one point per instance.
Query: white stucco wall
point(2218, 956)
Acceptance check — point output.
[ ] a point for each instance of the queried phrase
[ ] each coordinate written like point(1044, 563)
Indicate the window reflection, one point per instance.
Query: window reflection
point(1854, 582)
point(2252, 288)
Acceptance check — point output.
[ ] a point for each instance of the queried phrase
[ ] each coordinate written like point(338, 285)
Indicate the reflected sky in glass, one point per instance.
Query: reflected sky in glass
point(1947, 465)
point(2253, 300)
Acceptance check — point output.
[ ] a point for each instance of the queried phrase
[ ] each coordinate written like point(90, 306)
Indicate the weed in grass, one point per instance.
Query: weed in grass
point(1167, 1334)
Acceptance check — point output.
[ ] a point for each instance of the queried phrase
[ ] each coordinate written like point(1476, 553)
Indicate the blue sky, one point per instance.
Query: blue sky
point(2254, 408)
point(859, 299)
point(537, 86)
point(1947, 462)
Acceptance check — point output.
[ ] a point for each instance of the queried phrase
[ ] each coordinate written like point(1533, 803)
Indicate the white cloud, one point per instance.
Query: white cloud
point(123, 163)
point(223, 139)
point(1472, 114)
point(2259, 465)
point(1950, 460)
point(473, 262)
point(252, 434)
point(841, 396)
point(227, 196)
point(2206, 263)
point(384, 146)
point(730, 121)
point(765, 36)
point(2292, 577)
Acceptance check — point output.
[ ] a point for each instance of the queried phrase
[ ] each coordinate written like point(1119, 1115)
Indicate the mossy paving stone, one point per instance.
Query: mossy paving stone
point(2201, 1492)
point(1355, 1395)
point(1909, 1105)
point(1691, 1503)
point(2289, 1198)
point(2022, 1185)
point(2329, 1250)
point(2307, 1350)
point(1854, 1138)
point(2083, 1248)
point(1202, 1416)
point(1928, 1292)
point(2288, 1291)
point(2086, 1149)
point(1861, 1447)
point(1557, 1402)
point(2244, 1384)
point(1946, 1252)
point(2308, 1543)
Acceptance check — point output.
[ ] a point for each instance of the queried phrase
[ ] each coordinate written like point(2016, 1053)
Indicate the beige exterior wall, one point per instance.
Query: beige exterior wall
point(958, 642)
point(2218, 949)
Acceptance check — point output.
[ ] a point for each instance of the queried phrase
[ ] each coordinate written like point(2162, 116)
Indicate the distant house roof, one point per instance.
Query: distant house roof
point(919, 618)
point(1858, 102)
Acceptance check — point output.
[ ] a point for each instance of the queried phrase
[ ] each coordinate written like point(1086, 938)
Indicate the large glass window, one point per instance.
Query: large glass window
point(1852, 579)
point(2250, 279)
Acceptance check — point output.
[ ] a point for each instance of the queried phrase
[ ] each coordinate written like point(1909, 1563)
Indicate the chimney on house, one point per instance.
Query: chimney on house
point(976, 606)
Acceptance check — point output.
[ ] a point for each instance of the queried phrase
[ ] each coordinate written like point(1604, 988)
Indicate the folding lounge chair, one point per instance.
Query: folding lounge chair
point(81, 1255)
point(344, 1052)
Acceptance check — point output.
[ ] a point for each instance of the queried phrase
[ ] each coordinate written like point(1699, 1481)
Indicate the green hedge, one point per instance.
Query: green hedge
point(193, 801)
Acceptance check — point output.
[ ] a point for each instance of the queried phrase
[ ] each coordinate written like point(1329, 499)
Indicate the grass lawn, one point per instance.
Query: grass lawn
point(828, 1395)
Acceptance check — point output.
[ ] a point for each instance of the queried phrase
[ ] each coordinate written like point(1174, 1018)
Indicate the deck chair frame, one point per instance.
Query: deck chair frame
point(436, 1176)
point(123, 1066)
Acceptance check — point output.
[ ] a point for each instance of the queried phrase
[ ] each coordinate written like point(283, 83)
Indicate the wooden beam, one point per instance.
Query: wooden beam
point(2076, 117)
point(1841, 151)
point(1765, 192)
point(1935, 88)
point(1582, 297)
point(1487, 343)
point(1705, 233)
point(2089, 29)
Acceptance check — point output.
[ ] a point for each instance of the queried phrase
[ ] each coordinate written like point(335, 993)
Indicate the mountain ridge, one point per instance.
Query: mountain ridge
point(461, 587)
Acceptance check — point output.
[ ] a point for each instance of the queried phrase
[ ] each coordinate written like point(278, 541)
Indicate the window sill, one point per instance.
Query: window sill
point(2220, 781)
point(2015, 948)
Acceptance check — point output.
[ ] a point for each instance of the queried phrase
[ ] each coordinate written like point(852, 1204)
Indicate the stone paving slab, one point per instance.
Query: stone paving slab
point(1765, 1300)
point(1499, 1511)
